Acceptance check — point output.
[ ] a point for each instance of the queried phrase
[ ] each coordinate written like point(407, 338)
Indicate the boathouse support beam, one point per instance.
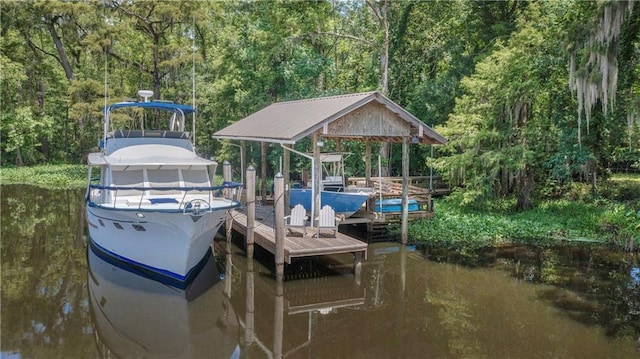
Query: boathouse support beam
point(313, 161)
point(367, 162)
point(405, 190)
point(264, 147)
point(243, 157)
point(251, 209)
point(316, 178)
point(286, 170)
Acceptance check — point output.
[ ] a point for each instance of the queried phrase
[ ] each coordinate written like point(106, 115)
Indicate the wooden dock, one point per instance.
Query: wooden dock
point(265, 226)
point(294, 244)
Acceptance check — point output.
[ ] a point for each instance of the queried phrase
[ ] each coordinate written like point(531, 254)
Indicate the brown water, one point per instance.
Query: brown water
point(60, 301)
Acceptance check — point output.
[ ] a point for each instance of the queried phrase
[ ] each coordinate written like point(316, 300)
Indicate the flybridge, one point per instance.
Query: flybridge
point(176, 121)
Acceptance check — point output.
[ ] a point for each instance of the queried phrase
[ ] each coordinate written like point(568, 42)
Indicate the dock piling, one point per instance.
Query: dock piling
point(278, 184)
point(357, 266)
point(226, 175)
point(251, 209)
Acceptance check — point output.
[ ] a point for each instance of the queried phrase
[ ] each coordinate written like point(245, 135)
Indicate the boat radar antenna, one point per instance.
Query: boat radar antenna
point(145, 94)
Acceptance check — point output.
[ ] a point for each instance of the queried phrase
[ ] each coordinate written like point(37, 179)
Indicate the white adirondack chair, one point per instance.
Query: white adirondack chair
point(327, 219)
point(297, 219)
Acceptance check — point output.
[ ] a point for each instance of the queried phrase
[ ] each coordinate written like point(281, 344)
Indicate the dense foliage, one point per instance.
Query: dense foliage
point(533, 96)
point(610, 219)
point(46, 176)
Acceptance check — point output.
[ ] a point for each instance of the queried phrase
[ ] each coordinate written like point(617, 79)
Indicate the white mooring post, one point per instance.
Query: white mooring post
point(251, 209)
point(278, 185)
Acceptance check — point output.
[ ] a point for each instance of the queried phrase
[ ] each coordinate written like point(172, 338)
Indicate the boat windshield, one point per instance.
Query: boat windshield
point(152, 115)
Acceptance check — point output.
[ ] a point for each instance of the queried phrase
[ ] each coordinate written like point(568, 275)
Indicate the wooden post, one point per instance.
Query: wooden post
point(243, 156)
point(226, 175)
point(317, 178)
point(405, 190)
point(278, 321)
point(403, 269)
point(367, 179)
point(278, 185)
point(249, 317)
point(286, 168)
point(228, 269)
point(264, 147)
point(357, 266)
point(251, 209)
point(367, 162)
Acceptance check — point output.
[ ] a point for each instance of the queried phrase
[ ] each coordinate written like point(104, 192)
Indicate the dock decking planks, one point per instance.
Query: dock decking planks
point(295, 245)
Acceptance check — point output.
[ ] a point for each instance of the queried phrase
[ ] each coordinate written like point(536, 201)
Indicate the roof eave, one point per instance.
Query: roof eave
point(255, 139)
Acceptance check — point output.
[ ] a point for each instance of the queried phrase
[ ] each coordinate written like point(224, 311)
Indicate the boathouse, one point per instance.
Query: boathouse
point(368, 117)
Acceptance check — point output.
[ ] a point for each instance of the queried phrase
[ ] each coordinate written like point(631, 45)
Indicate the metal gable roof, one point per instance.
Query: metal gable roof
point(291, 121)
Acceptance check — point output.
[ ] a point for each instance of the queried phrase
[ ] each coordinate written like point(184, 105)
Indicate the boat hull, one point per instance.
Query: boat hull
point(346, 203)
point(167, 245)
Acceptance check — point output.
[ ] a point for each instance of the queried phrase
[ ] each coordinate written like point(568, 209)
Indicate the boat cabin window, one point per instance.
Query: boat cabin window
point(195, 178)
point(163, 178)
point(131, 178)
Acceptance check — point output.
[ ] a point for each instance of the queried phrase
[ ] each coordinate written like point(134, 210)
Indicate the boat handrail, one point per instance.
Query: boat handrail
point(186, 189)
point(224, 185)
point(124, 133)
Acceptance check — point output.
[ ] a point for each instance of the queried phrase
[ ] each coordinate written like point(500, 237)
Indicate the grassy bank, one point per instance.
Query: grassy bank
point(613, 218)
point(48, 176)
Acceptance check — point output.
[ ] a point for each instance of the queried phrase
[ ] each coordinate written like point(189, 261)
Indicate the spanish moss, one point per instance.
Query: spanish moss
point(596, 79)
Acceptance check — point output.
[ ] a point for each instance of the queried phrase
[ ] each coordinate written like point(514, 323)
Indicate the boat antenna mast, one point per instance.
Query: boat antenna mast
point(193, 81)
point(106, 95)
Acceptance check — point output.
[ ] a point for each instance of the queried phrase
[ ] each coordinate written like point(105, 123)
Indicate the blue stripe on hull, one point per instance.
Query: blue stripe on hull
point(160, 275)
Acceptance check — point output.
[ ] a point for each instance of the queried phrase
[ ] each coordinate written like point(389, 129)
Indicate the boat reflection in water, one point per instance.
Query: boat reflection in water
point(135, 316)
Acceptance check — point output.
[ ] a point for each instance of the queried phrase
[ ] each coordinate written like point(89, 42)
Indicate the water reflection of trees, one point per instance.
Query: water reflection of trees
point(589, 283)
point(44, 297)
point(456, 316)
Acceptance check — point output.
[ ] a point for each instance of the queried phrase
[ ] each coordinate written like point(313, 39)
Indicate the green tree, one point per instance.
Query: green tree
point(601, 36)
point(500, 126)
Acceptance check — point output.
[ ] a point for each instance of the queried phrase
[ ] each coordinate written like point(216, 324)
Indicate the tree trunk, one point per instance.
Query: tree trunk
point(594, 185)
point(383, 18)
point(19, 161)
point(156, 70)
point(62, 54)
point(504, 181)
point(525, 187)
